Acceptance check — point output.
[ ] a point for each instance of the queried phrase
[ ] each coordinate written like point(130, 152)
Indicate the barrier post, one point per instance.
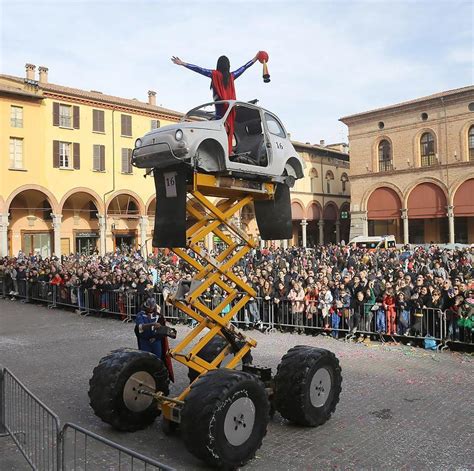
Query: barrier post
point(3, 430)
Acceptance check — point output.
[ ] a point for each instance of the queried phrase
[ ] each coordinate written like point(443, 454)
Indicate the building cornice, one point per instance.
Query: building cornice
point(418, 170)
point(449, 96)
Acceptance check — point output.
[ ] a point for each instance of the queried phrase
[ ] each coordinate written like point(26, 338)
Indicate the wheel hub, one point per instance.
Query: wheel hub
point(239, 421)
point(320, 387)
point(132, 398)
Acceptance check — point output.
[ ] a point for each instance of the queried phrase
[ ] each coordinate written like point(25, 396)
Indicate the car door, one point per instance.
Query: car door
point(277, 141)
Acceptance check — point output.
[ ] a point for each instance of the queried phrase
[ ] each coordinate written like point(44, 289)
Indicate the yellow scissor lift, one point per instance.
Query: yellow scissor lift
point(233, 196)
point(223, 414)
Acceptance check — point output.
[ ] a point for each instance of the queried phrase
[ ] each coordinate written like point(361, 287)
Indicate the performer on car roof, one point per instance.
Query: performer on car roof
point(222, 85)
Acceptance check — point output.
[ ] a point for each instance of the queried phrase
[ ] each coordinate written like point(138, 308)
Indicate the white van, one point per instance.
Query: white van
point(374, 242)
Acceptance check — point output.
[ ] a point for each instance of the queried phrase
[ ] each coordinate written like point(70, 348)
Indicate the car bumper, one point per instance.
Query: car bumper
point(158, 155)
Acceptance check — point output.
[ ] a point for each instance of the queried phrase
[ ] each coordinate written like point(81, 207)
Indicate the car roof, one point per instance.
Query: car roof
point(234, 102)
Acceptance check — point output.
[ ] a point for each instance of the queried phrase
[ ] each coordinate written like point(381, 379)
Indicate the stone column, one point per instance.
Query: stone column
point(321, 231)
point(57, 234)
point(4, 235)
point(143, 231)
point(406, 234)
point(304, 224)
point(359, 224)
point(210, 241)
point(285, 243)
point(451, 224)
point(338, 232)
point(102, 248)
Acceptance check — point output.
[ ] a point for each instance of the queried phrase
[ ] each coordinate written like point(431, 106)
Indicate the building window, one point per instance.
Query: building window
point(65, 155)
point(126, 125)
point(127, 161)
point(155, 124)
point(16, 117)
point(471, 143)
point(385, 156)
point(65, 116)
point(16, 153)
point(313, 176)
point(99, 158)
point(344, 180)
point(427, 150)
point(329, 177)
point(98, 121)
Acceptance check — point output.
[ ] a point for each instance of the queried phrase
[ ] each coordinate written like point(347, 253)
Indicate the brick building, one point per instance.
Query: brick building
point(412, 169)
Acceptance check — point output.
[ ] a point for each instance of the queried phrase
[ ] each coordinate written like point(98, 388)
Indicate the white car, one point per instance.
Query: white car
point(262, 149)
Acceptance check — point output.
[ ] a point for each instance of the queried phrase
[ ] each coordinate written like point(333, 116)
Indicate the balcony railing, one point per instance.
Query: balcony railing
point(385, 166)
point(428, 160)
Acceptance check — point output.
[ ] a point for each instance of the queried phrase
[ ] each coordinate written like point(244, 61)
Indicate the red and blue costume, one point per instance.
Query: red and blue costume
point(222, 92)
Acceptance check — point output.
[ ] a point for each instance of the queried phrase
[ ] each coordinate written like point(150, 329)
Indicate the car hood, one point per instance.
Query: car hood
point(171, 128)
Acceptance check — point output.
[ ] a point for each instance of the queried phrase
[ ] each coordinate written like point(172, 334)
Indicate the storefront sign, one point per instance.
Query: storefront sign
point(87, 234)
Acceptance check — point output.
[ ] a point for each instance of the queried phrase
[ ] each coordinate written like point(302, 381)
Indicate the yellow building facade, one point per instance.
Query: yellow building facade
point(66, 183)
point(67, 186)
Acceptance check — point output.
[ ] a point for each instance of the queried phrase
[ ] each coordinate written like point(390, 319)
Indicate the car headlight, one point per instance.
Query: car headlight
point(138, 142)
point(178, 135)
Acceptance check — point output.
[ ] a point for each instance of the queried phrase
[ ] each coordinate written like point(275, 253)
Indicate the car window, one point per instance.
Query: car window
point(274, 126)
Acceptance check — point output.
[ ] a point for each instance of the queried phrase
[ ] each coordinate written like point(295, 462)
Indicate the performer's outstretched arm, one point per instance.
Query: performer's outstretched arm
point(237, 73)
point(194, 68)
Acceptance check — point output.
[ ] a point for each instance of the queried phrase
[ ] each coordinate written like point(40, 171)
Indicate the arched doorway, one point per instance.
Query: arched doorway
point(427, 214)
point(123, 214)
point(297, 215)
point(464, 213)
point(384, 213)
point(313, 216)
point(330, 218)
point(80, 231)
point(31, 223)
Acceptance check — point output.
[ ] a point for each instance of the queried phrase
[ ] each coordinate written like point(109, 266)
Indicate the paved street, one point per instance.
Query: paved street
point(400, 408)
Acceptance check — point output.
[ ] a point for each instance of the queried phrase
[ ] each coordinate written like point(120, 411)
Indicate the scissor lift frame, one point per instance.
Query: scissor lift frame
point(233, 194)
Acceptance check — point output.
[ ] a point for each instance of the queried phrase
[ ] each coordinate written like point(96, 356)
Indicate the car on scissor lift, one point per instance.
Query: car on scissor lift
point(261, 148)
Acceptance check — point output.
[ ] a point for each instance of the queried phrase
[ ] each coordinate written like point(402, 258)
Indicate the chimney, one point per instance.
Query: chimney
point(151, 97)
point(30, 71)
point(43, 74)
point(322, 143)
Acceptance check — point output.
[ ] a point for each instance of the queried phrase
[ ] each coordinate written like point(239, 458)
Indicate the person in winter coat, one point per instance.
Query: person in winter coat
point(403, 312)
point(325, 303)
point(389, 306)
point(296, 296)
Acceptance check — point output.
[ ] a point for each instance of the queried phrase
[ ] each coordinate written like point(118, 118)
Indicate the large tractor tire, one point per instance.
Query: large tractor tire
point(113, 388)
point(210, 351)
point(225, 418)
point(307, 385)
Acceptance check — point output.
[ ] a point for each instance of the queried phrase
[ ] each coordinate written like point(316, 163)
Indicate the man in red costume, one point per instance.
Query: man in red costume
point(222, 85)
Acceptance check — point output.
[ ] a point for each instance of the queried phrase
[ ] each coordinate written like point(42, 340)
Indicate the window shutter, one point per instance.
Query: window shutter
point(77, 156)
point(95, 157)
point(75, 117)
point(101, 121)
point(124, 160)
point(130, 126)
point(95, 120)
point(123, 127)
point(102, 158)
point(55, 114)
point(129, 160)
point(55, 154)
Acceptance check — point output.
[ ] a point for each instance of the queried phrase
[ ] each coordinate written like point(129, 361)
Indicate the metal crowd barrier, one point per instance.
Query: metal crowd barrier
point(84, 449)
point(267, 314)
point(31, 424)
point(37, 432)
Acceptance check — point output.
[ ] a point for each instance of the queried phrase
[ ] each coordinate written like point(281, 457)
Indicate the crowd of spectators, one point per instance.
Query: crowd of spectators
point(339, 289)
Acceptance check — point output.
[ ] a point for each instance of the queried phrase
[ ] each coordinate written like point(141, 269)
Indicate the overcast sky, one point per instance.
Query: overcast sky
point(328, 59)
